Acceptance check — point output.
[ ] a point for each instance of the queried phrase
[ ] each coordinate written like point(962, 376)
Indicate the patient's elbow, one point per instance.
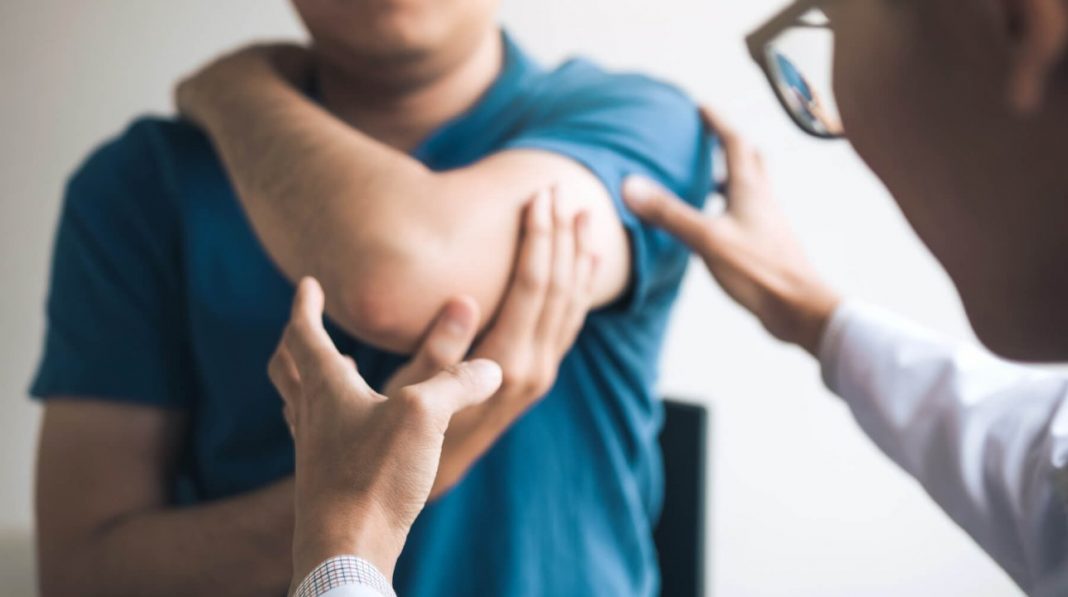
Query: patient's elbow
point(382, 311)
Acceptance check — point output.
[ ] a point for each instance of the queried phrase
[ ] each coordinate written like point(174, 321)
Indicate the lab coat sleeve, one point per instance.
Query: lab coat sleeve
point(345, 576)
point(352, 591)
point(988, 440)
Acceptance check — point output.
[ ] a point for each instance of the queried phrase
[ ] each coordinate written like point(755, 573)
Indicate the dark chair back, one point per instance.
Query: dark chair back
point(680, 534)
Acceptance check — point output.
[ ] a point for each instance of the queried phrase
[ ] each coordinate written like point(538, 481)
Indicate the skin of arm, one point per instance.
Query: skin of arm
point(106, 525)
point(390, 240)
point(121, 536)
point(359, 496)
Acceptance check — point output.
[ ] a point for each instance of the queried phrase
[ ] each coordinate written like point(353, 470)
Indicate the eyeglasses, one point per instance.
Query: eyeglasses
point(795, 49)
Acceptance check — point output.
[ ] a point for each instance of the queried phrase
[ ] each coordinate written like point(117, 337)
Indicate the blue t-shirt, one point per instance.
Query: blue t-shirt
point(161, 295)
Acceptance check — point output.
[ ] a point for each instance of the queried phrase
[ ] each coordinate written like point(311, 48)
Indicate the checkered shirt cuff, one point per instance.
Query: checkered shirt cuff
point(343, 571)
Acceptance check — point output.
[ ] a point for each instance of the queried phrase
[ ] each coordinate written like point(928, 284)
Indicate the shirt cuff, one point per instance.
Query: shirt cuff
point(344, 571)
point(830, 348)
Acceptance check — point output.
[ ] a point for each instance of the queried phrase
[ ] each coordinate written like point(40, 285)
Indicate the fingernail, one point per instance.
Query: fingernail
point(456, 319)
point(638, 190)
point(487, 372)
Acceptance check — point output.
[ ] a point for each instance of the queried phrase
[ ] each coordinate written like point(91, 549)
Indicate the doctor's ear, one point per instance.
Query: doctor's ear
point(1037, 32)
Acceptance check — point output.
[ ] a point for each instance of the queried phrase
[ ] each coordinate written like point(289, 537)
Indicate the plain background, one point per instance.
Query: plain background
point(803, 504)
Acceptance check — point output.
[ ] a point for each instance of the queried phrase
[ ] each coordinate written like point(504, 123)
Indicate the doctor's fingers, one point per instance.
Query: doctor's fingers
point(744, 163)
point(448, 341)
point(453, 389)
point(743, 159)
point(286, 379)
point(305, 337)
point(311, 348)
point(659, 207)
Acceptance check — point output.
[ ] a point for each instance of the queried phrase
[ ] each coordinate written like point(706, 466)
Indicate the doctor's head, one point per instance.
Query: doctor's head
point(961, 108)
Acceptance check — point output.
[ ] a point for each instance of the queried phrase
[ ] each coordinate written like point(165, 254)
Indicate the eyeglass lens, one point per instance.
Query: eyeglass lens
point(800, 61)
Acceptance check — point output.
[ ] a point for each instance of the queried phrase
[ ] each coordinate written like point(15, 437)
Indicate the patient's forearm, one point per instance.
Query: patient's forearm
point(324, 199)
point(329, 201)
point(241, 546)
point(389, 239)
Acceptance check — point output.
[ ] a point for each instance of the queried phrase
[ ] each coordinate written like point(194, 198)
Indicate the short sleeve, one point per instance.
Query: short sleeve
point(114, 315)
point(616, 126)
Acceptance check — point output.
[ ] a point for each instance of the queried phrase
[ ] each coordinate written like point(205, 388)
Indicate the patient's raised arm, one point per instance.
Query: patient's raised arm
point(389, 239)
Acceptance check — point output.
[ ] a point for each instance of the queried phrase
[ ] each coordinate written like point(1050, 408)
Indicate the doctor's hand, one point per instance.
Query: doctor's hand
point(541, 315)
point(750, 249)
point(365, 462)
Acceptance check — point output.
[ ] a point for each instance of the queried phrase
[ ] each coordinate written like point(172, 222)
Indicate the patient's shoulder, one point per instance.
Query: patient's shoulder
point(580, 84)
point(644, 124)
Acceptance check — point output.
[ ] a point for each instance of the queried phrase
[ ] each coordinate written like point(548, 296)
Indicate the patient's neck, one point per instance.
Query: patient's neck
point(403, 105)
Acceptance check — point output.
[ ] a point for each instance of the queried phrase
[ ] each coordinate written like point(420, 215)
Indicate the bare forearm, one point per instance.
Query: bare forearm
point(240, 546)
point(315, 190)
point(389, 240)
point(328, 201)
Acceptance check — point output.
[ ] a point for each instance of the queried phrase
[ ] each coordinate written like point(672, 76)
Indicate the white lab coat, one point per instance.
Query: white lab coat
point(987, 439)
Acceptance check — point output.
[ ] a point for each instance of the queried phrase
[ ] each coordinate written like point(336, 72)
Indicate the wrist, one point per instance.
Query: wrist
point(206, 96)
point(345, 529)
point(813, 308)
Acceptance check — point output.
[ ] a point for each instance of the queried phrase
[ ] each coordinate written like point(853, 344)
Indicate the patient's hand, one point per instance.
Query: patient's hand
point(540, 318)
point(750, 249)
point(365, 462)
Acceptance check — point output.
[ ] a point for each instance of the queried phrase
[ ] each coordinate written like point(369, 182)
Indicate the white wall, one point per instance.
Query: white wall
point(803, 504)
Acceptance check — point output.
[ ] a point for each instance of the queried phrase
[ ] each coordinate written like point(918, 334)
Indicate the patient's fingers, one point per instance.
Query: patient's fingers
point(659, 207)
point(581, 295)
point(523, 301)
point(559, 292)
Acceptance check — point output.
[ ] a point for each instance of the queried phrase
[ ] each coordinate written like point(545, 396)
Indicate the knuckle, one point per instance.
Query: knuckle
point(274, 366)
point(288, 335)
point(532, 279)
point(434, 360)
point(417, 405)
point(514, 377)
point(415, 401)
point(464, 375)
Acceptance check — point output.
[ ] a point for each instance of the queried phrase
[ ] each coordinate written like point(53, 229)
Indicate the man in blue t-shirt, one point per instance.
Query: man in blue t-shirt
point(166, 463)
